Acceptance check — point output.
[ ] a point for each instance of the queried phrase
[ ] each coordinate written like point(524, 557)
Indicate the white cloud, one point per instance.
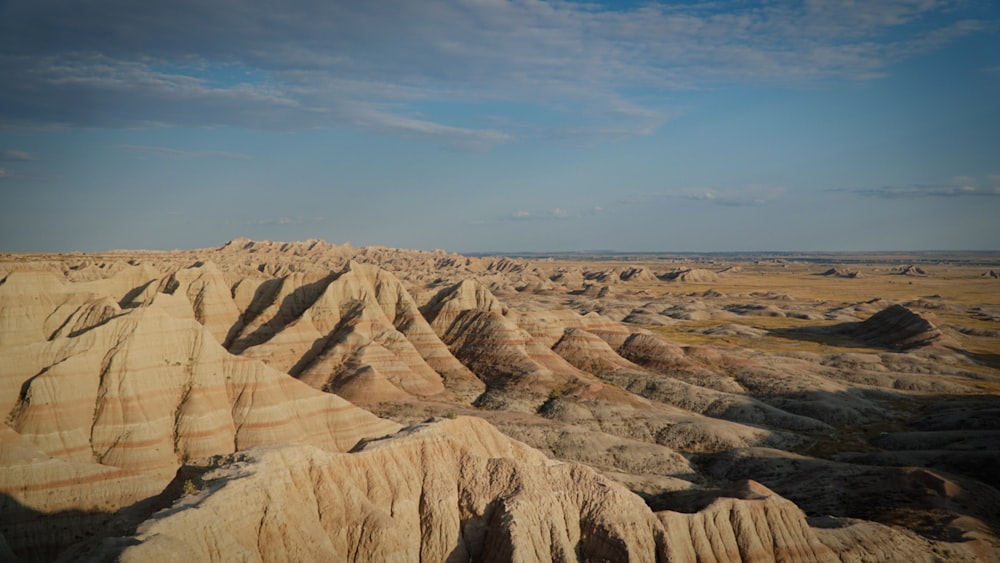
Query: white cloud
point(697, 194)
point(373, 65)
point(164, 151)
point(458, 137)
point(284, 220)
point(556, 213)
point(922, 191)
point(751, 195)
point(10, 155)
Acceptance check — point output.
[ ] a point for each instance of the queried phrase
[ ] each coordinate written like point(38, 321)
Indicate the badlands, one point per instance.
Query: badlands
point(266, 401)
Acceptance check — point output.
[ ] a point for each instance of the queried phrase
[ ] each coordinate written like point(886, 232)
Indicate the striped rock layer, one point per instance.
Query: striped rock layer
point(450, 491)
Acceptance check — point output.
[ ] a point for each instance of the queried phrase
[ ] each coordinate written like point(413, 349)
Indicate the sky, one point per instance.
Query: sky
point(496, 125)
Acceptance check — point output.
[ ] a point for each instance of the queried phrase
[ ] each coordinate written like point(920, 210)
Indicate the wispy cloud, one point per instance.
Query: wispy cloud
point(11, 156)
point(457, 137)
point(557, 213)
point(374, 65)
point(4, 173)
point(175, 153)
point(922, 191)
point(287, 220)
point(694, 194)
point(541, 215)
point(736, 197)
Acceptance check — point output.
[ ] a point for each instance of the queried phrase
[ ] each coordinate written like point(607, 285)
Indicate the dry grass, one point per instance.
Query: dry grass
point(784, 335)
point(956, 286)
point(851, 439)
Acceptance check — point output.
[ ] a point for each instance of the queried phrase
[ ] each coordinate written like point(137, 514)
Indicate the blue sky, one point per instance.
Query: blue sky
point(492, 125)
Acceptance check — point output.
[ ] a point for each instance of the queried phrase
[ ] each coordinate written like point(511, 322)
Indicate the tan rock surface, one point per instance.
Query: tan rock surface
point(691, 275)
point(145, 391)
point(590, 353)
point(358, 333)
point(900, 328)
point(103, 413)
point(116, 359)
point(34, 486)
point(451, 491)
point(470, 320)
point(751, 523)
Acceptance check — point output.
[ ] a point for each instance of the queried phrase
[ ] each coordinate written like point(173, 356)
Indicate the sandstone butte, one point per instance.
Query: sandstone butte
point(201, 406)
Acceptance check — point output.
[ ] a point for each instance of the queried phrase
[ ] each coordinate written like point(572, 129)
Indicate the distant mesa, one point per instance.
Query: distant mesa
point(239, 243)
point(993, 274)
point(298, 248)
point(912, 270)
point(752, 309)
point(568, 276)
point(842, 273)
point(593, 290)
point(930, 302)
point(774, 295)
point(900, 328)
point(637, 274)
point(506, 266)
point(691, 275)
point(599, 275)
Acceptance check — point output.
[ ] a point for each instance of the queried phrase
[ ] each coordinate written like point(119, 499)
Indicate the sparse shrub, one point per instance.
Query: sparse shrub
point(189, 487)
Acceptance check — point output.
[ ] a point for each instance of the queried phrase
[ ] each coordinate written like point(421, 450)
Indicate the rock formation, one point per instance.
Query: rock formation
point(448, 491)
point(113, 402)
point(729, 529)
point(842, 273)
point(226, 369)
point(637, 274)
point(899, 328)
point(694, 275)
point(470, 320)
